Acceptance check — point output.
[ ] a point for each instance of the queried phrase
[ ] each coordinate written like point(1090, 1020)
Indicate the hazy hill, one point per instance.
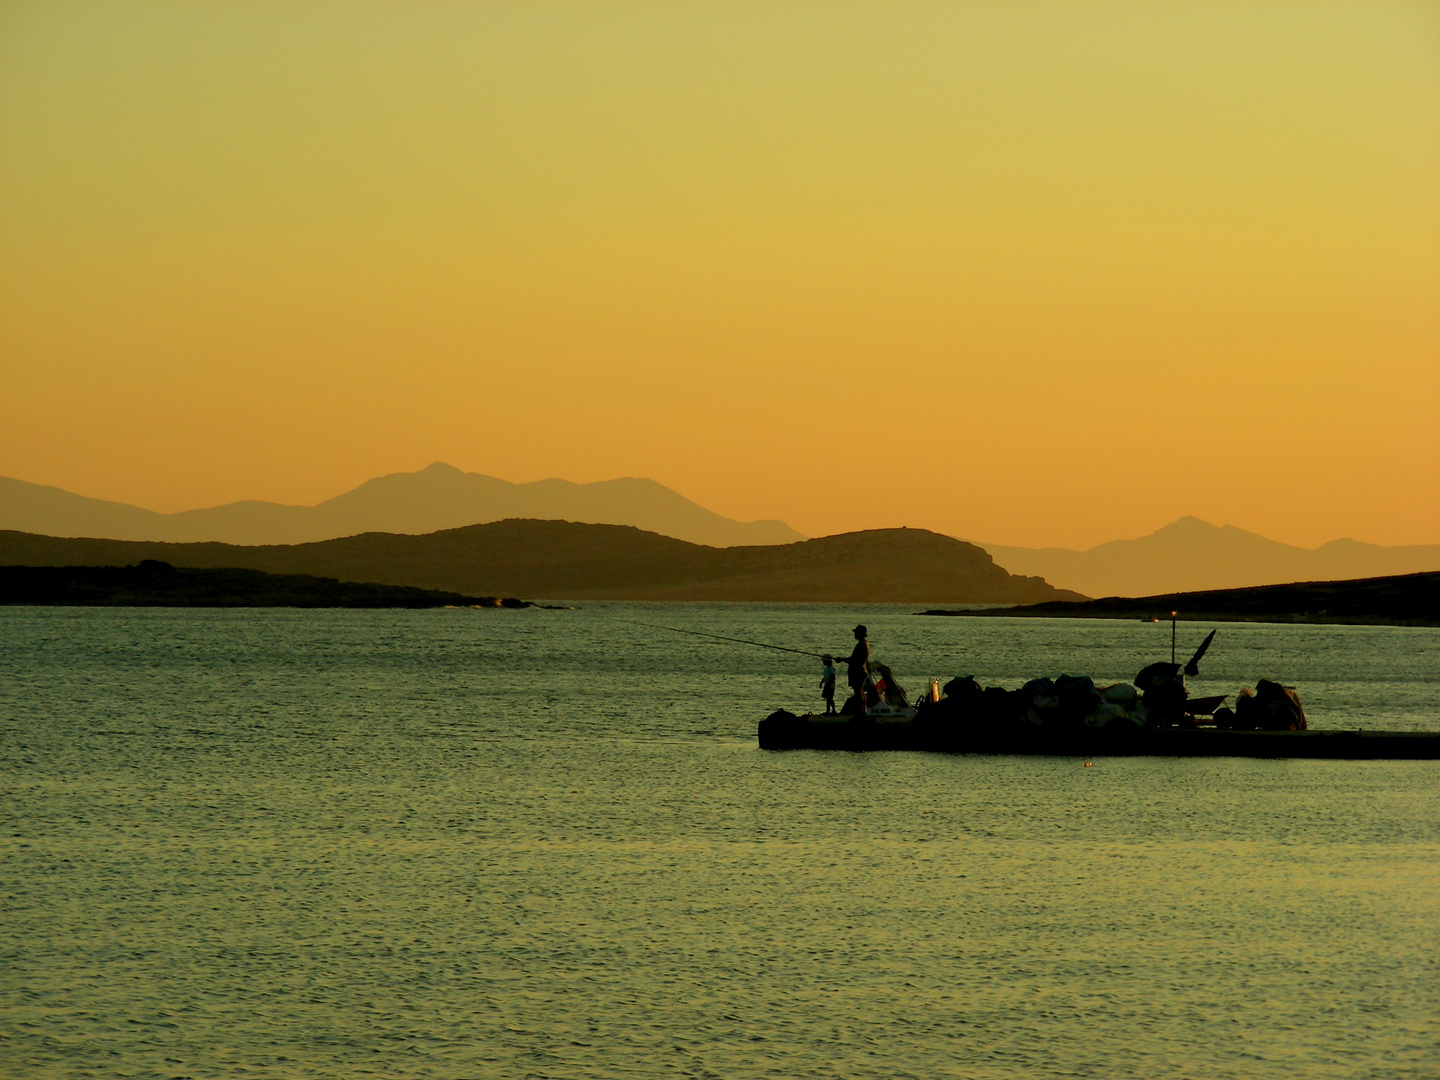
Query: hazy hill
point(439, 497)
point(1404, 600)
point(568, 561)
point(1191, 554)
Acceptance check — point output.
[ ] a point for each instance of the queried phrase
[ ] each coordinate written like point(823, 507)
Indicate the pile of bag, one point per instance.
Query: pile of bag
point(1269, 707)
point(1157, 698)
point(1064, 703)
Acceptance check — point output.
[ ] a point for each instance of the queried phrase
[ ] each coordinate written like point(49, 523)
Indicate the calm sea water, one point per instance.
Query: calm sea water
point(544, 844)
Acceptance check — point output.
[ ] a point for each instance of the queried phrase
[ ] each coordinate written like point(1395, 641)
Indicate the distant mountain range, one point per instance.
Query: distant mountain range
point(439, 497)
point(1191, 555)
point(562, 560)
point(1185, 556)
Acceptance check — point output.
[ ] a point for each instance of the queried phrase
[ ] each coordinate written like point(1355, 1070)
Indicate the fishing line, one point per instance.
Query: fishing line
point(722, 637)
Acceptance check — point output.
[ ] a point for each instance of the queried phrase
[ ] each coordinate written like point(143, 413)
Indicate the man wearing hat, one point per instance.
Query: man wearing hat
point(857, 667)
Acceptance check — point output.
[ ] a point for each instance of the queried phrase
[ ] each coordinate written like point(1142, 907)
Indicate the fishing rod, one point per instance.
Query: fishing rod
point(722, 637)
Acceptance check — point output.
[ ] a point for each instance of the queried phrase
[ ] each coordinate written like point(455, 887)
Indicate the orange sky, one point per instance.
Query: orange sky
point(1039, 274)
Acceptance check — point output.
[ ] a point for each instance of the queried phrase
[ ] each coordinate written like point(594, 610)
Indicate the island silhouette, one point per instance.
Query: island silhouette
point(1191, 555)
point(153, 583)
point(1186, 555)
point(563, 560)
point(1395, 600)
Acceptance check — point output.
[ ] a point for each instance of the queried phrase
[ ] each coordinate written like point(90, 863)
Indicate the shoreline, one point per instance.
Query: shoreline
point(1399, 600)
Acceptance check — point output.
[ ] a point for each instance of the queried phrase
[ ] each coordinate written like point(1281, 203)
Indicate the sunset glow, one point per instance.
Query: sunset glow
point(1041, 275)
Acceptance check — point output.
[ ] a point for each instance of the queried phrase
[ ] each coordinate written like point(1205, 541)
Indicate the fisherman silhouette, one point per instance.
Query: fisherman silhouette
point(857, 672)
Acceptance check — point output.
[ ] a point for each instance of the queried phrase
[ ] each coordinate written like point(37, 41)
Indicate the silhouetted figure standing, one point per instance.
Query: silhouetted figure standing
point(827, 685)
point(857, 669)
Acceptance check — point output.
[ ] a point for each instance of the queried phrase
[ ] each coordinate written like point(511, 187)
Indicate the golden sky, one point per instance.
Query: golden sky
point(1041, 274)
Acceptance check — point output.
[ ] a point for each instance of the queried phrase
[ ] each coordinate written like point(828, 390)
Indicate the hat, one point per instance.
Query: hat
point(861, 630)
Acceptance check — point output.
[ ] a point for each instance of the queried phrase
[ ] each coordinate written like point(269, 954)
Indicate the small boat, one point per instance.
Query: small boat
point(785, 731)
point(1070, 716)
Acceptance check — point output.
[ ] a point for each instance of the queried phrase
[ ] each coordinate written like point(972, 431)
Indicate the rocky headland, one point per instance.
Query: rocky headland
point(564, 560)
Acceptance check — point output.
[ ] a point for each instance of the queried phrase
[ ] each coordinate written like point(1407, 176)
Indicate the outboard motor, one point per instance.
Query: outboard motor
point(1162, 689)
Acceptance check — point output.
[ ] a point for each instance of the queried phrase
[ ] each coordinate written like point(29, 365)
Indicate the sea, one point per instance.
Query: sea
point(543, 843)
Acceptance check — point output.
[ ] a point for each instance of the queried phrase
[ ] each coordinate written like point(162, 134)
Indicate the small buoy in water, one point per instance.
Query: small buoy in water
point(1087, 765)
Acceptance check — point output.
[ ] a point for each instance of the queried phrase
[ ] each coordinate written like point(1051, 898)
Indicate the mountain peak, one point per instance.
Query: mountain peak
point(1190, 555)
point(1188, 524)
point(440, 496)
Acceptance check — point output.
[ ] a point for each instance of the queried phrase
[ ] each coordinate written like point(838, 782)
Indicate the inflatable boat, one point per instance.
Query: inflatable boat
point(786, 731)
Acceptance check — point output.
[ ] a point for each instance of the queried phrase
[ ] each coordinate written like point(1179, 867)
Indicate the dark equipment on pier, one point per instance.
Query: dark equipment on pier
point(1192, 669)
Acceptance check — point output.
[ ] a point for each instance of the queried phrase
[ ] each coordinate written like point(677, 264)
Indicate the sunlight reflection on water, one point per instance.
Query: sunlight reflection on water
point(457, 844)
